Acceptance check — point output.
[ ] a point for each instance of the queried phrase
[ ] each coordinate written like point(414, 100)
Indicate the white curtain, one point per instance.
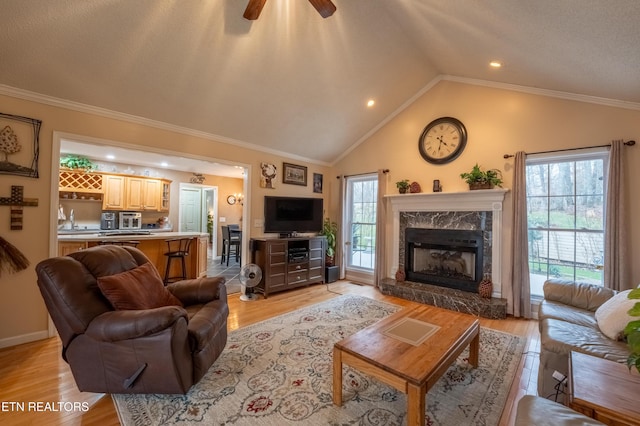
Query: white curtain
point(521, 293)
point(615, 246)
point(379, 271)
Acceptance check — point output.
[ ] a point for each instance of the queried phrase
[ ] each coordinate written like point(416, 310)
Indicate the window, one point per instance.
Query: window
point(565, 215)
point(361, 216)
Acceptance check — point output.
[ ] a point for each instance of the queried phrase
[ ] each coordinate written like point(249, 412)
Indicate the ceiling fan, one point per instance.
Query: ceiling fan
point(324, 7)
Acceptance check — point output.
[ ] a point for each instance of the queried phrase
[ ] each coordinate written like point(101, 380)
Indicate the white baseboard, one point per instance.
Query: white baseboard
point(24, 338)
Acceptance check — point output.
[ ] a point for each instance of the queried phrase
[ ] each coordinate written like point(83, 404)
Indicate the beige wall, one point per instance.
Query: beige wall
point(23, 316)
point(498, 122)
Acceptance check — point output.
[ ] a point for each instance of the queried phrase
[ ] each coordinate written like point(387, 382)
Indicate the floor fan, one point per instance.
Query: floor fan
point(250, 276)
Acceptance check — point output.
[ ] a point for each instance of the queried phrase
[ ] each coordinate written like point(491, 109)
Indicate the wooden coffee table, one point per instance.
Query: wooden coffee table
point(411, 369)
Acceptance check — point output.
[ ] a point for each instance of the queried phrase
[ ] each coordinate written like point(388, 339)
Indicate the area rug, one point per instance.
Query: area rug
point(279, 372)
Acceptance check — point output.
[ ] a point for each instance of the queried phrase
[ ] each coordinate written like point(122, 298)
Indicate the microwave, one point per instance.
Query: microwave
point(130, 220)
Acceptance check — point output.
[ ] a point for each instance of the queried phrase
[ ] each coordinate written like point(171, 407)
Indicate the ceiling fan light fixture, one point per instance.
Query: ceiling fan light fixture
point(324, 7)
point(252, 12)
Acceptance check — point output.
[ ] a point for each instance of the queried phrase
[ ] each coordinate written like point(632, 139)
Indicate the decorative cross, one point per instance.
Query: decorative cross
point(16, 202)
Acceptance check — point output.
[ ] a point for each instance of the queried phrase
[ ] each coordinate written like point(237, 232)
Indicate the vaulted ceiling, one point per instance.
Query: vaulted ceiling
point(293, 82)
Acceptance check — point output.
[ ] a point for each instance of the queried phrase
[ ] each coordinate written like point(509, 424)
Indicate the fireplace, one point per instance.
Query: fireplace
point(474, 212)
point(449, 258)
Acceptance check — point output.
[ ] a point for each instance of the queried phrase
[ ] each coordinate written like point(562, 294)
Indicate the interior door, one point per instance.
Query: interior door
point(190, 209)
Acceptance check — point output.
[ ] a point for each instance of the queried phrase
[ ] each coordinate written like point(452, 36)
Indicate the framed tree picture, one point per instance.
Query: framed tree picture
point(293, 174)
point(19, 145)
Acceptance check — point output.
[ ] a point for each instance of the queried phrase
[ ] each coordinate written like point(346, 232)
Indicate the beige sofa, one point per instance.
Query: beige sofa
point(567, 323)
point(536, 411)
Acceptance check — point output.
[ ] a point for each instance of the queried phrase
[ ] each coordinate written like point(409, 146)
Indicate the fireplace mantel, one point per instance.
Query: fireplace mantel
point(479, 200)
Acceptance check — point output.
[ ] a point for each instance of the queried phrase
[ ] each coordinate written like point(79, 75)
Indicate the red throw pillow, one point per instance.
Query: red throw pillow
point(138, 288)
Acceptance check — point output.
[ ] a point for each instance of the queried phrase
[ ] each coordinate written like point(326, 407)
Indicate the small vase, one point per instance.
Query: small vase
point(400, 276)
point(485, 288)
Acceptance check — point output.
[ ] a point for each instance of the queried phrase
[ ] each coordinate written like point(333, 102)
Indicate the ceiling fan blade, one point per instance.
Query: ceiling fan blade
point(253, 9)
point(324, 7)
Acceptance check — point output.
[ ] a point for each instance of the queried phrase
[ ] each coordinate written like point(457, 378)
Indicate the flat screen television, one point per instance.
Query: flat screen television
point(290, 215)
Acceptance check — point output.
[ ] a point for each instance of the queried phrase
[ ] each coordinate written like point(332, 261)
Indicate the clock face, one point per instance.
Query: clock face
point(231, 199)
point(442, 140)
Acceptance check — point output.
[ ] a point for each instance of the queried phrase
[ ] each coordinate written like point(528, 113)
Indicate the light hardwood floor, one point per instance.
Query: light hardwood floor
point(36, 372)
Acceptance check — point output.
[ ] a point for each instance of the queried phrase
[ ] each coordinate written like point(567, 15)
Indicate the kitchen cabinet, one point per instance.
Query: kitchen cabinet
point(64, 248)
point(142, 194)
point(151, 194)
point(201, 262)
point(154, 247)
point(114, 192)
point(133, 193)
point(117, 192)
point(133, 198)
point(79, 181)
point(165, 195)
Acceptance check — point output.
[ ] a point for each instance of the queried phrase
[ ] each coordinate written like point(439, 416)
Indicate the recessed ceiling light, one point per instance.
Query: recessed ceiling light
point(164, 164)
point(111, 157)
point(495, 64)
point(371, 103)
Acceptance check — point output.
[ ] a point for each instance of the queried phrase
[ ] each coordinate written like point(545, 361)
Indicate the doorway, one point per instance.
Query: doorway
point(198, 211)
point(359, 232)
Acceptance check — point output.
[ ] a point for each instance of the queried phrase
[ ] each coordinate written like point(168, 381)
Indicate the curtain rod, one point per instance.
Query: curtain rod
point(628, 143)
point(362, 174)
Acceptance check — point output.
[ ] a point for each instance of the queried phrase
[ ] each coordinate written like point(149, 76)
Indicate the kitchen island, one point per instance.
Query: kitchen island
point(152, 244)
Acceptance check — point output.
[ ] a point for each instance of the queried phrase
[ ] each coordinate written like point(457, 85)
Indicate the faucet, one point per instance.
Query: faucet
point(72, 219)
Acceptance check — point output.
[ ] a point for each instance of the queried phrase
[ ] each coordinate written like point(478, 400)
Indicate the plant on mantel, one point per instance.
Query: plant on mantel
point(482, 179)
point(403, 186)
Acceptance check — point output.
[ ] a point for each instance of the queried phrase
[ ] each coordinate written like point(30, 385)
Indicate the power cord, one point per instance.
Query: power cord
point(559, 387)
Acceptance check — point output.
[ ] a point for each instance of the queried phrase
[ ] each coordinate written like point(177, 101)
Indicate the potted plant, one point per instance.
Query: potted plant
point(76, 162)
point(210, 226)
point(330, 231)
point(480, 179)
point(632, 332)
point(403, 186)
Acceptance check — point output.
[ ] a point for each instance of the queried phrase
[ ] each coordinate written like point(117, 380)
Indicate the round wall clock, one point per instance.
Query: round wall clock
point(443, 140)
point(231, 199)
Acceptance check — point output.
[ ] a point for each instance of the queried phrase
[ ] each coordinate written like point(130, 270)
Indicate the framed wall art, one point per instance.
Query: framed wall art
point(317, 183)
point(293, 174)
point(268, 174)
point(19, 145)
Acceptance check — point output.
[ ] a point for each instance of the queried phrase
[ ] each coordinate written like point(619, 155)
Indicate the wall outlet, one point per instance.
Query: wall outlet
point(258, 223)
point(222, 219)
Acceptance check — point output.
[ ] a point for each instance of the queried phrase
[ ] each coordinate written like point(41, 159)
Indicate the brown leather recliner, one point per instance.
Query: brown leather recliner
point(160, 350)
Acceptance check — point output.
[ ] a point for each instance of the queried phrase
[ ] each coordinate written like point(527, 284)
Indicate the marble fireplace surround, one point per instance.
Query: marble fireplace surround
point(470, 204)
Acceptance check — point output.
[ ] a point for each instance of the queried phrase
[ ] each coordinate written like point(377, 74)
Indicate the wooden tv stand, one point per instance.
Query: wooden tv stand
point(288, 263)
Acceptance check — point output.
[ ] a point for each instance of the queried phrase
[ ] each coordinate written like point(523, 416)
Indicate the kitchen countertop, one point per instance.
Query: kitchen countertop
point(77, 236)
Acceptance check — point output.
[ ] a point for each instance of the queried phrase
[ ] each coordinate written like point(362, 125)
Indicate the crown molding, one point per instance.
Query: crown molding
point(103, 112)
point(545, 92)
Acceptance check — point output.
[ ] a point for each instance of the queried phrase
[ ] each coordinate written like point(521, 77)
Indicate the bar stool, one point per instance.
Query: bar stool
point(178, 249)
